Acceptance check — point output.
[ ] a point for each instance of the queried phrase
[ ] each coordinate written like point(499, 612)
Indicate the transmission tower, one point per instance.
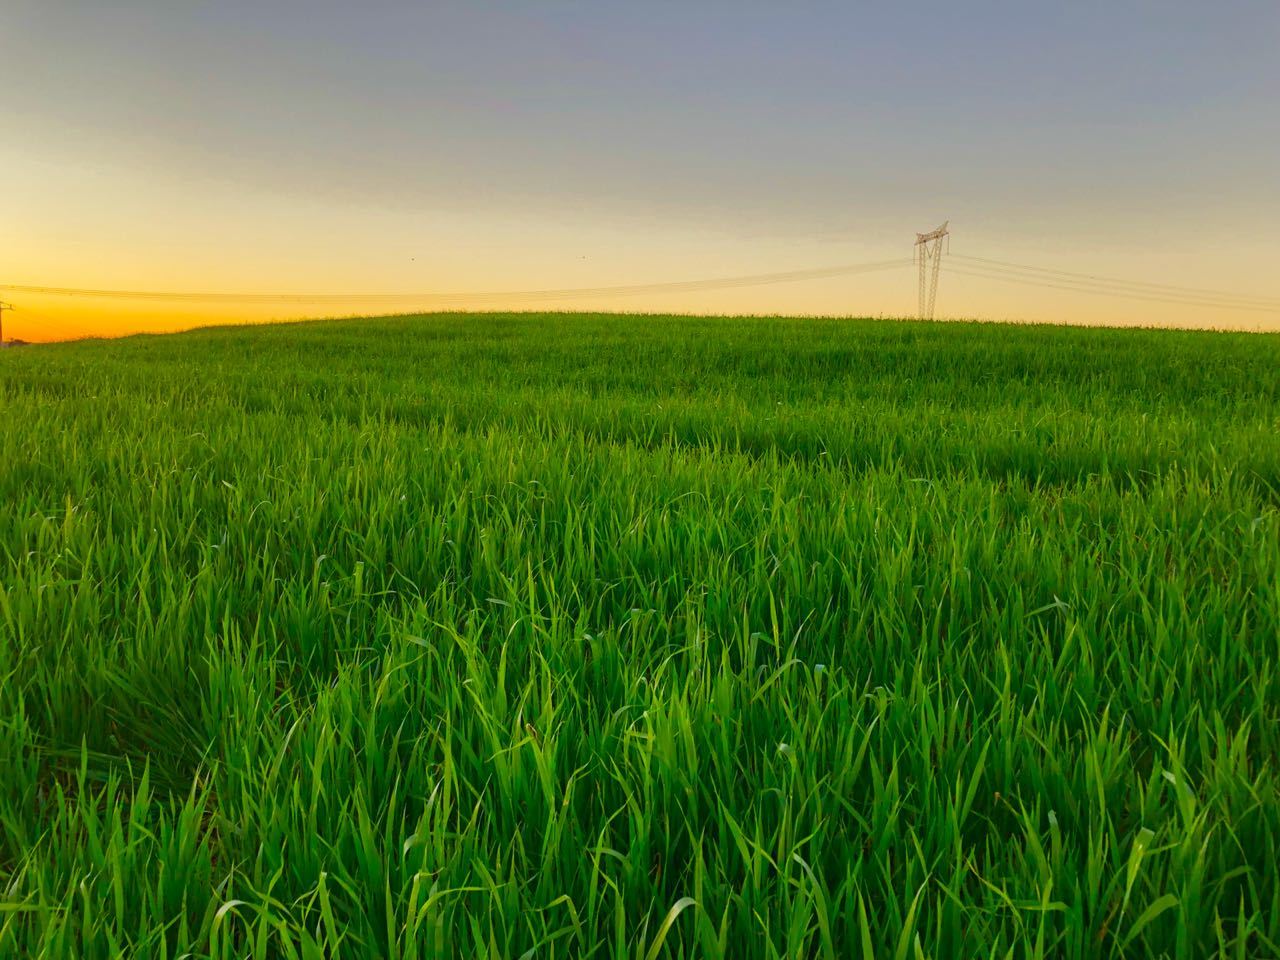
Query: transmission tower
point(3, 307)
point(929, 256)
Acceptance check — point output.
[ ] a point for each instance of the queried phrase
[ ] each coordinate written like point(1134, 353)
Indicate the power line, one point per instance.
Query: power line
point(678, 286)
point(1079, 287)
point(929, 247)
point(1139, 285)
point(1082, 286)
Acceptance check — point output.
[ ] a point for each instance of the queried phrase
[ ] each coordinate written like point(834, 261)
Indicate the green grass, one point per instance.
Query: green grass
point(582, 636)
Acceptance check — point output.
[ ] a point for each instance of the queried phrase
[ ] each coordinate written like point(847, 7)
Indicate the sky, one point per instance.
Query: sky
point(464, 148)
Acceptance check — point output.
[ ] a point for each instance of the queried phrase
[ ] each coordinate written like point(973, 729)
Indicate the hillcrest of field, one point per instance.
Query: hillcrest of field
point(555, 635)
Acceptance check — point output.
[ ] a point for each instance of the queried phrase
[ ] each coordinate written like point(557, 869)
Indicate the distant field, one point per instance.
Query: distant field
point(590, 636)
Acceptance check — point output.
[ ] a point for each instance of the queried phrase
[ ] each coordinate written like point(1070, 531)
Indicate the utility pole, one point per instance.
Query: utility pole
point(929, 256)
point(3, 307)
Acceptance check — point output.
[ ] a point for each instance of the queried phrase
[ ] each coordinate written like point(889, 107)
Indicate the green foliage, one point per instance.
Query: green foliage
point(568, 636)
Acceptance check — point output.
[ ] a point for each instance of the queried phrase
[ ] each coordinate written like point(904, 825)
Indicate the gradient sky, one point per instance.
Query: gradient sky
point(393, 146)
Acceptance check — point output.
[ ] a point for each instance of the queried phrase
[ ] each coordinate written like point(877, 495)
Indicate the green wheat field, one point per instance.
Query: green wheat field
point(570, 636)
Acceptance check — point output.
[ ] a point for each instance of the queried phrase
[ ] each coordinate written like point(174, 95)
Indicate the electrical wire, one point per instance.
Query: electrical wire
point(970, 266)
point(1136, 285)
point(1078, 287)
point(678, 286)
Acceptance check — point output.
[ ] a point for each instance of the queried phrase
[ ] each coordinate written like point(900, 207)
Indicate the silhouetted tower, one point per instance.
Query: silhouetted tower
point(3, 307)
point(929, 256)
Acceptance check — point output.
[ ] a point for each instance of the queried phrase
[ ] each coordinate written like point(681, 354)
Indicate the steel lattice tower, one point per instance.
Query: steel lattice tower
point(929, 255)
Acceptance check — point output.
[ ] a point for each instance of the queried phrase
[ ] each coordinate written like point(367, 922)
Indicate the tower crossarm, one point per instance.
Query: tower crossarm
point(932, 235)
